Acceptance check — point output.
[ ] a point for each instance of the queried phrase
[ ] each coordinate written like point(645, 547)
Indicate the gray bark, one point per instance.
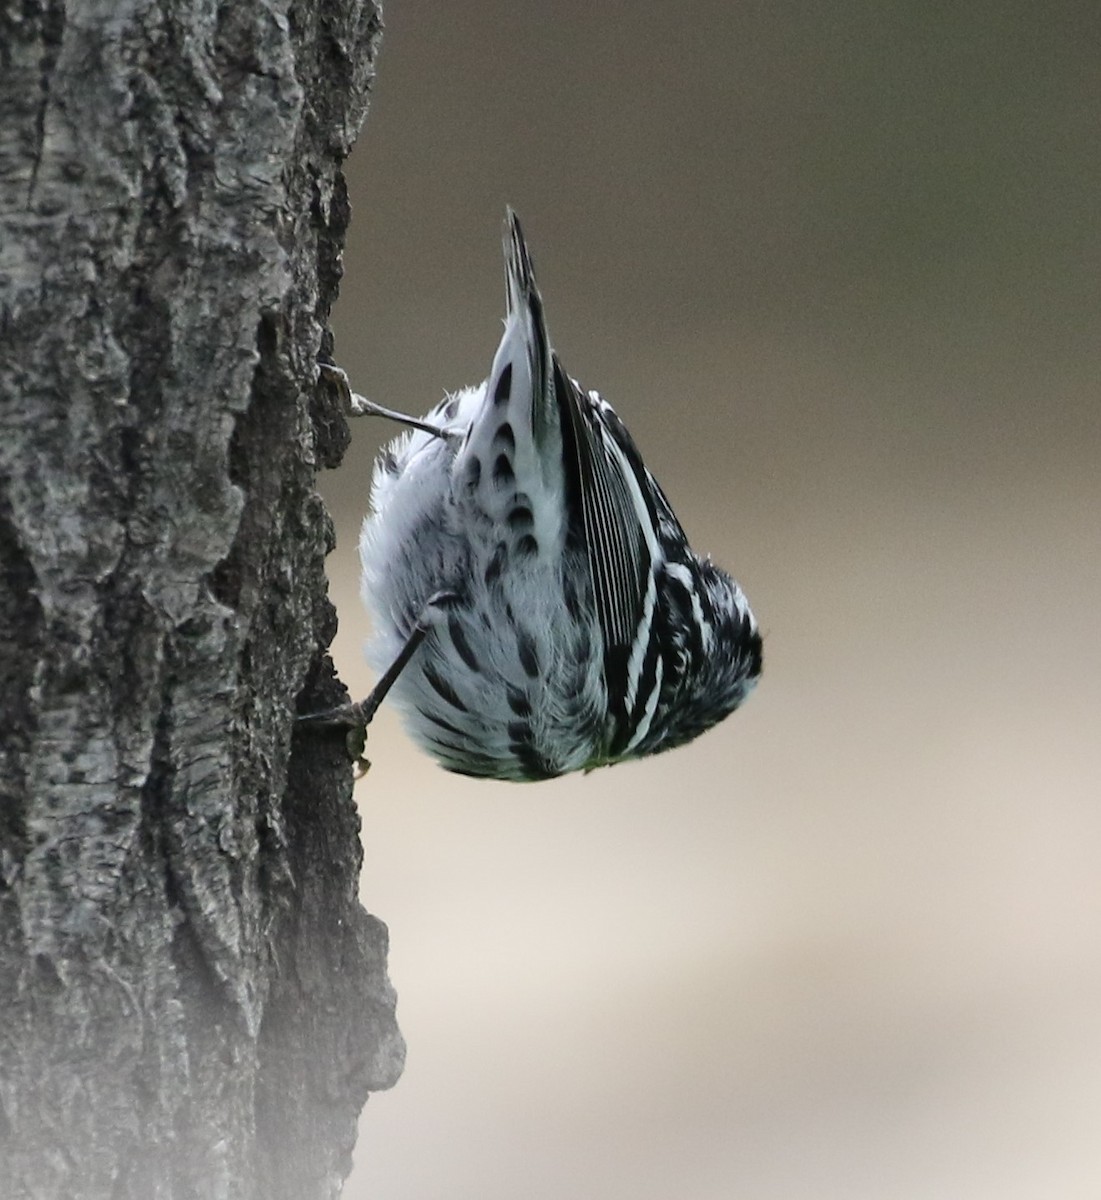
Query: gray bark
point(192, 1002)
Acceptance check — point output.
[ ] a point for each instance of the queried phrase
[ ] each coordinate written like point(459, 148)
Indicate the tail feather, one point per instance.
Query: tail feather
point(527, 325)
point(510, 463)
point(519, 272)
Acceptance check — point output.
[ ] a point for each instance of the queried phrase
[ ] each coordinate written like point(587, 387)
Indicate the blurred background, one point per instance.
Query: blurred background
point(837, 266)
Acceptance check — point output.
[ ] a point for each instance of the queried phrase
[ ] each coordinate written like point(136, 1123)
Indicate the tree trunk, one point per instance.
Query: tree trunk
point(192, 1002)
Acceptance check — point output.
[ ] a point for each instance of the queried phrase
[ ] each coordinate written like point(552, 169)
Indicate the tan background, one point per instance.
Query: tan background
point(837, 266)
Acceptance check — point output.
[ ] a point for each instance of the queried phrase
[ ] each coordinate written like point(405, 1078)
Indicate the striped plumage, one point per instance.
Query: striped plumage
point(573, 625)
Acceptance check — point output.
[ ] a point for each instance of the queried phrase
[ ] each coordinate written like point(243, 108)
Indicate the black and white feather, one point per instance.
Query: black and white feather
point(570, 624)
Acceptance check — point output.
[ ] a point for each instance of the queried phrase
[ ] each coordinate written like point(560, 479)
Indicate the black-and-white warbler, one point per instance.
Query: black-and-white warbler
point(537, 608)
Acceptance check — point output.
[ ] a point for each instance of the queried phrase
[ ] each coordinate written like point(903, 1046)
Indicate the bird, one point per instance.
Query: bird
point(536, 606)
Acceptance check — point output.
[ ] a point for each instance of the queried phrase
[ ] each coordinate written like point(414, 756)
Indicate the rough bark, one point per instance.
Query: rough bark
point(193, 1003)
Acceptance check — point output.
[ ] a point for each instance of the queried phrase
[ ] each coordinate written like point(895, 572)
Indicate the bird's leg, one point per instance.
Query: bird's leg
point(358, 716)
point(355, 405)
